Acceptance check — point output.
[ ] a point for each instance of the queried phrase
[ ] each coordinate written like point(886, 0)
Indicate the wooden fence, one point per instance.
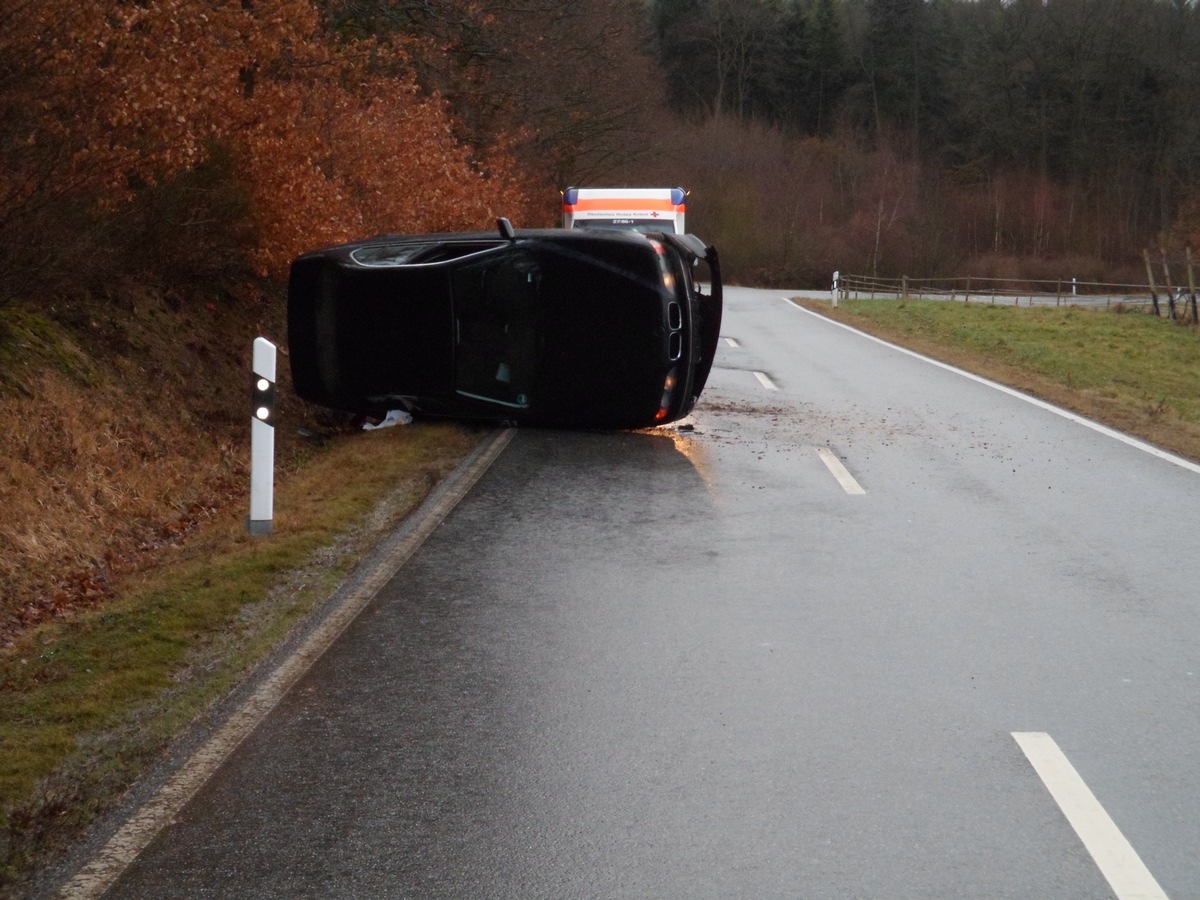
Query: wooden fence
point(1160, 296)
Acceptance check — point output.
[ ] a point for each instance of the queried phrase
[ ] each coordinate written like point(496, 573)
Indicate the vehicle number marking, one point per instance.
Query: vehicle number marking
point(834, 465)
point(765, 381)
point(1127, 875)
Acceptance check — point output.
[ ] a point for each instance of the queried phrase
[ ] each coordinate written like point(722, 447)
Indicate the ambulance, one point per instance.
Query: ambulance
point(625, 209)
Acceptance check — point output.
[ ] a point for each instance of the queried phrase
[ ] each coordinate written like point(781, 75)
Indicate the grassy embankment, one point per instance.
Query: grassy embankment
point(1132, 371)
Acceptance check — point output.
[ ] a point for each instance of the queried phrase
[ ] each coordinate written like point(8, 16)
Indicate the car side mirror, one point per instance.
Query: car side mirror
point(506, 229)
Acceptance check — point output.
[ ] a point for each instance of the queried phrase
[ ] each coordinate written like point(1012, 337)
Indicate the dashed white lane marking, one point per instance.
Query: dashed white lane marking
point(732, 343)
point(766, 381)
point(834, 465)
point(1127, 875)
point(1041, 404)
point(135, 835)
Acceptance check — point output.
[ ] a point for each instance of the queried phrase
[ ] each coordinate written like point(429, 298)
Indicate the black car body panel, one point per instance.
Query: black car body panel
point(543, 327)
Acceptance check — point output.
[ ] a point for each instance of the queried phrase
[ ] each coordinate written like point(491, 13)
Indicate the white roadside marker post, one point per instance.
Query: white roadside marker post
point(262, 439)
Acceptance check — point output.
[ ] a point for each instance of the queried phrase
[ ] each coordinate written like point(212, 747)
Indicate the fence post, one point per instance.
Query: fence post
point(1191, 285)
point(1150, 279)
point(262, 439)
point(1170, 288)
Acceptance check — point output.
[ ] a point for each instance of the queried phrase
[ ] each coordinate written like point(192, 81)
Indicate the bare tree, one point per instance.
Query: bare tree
point(575, 86)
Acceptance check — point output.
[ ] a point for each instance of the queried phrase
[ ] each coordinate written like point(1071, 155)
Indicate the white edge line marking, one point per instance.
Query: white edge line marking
point(732, 343)
point(1127, 875)
point(1042, 404)
point(834, 465)
point(140, 829)
point(766, 381)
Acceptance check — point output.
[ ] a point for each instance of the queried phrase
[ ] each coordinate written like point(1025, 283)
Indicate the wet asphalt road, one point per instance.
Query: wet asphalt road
point(692, 663)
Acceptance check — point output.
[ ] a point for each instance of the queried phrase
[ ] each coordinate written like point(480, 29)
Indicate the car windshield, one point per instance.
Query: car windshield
point(496, 302)
point(388, 254)
point(410, 252)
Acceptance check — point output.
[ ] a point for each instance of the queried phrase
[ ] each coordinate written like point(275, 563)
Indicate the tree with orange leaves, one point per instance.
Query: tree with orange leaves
point(331, 138)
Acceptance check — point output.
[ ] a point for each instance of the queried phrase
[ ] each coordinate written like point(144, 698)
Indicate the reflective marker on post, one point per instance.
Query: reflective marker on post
point(262, 439)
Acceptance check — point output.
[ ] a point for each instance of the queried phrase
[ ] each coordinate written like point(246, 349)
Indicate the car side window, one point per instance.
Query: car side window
point(496, 318)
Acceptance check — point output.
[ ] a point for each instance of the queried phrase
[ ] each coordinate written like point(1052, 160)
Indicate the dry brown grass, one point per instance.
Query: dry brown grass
point(93, 491)
point(124, 424)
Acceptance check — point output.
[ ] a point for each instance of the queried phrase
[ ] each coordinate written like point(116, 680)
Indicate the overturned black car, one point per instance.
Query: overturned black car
point(539, 327)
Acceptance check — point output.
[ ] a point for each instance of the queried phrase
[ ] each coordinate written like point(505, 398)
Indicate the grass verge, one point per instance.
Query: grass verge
point(90, 700)
point(1134, 372)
